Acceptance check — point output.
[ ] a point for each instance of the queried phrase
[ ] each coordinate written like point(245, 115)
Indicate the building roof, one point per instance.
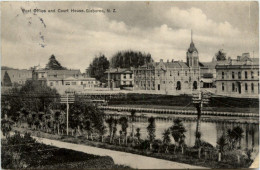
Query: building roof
point(192, 48)
point(210, 65)
point(118, 70)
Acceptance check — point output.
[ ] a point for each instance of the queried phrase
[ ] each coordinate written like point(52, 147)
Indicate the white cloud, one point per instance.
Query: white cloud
point(76, 38)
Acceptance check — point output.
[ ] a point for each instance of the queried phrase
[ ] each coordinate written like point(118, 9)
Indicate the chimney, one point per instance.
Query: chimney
point(172, 60)
point(161, 60)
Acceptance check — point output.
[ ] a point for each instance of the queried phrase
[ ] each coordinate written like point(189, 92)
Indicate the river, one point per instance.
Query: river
point(211, 131)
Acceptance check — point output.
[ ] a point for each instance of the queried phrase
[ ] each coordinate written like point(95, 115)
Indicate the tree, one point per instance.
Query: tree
point(166, 139)
point(234, 136)
point(138, 134)
point(85, 115)
point(54, 64)
point(127, 59)
point(6, 80)
point(110, 122)
point(222, 144)
point(132, 120)
point(177, 131)
point(198, 142)
point(37, 96)
point(151, 130)
point(220, 55)
point(123, 121)
point(98, 67)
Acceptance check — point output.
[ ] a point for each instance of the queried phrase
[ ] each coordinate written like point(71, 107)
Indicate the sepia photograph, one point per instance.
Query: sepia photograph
point(129, 84)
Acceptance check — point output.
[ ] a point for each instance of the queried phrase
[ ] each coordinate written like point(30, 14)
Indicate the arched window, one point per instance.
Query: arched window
point(195, 85)
point(223, 87)
point(233, 86)
point(239, 75)
point(178, 85)
point(245, 74)
point(233, 75)
point(246, 87)
point(223, 75)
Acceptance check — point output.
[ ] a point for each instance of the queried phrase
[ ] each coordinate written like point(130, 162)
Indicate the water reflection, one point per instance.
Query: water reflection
point(210, 131)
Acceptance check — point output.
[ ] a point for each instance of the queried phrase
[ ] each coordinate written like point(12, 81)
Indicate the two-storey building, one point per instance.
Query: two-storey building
point(238, 77)
point(17, 76)
point(119, 77)
point(171, 77)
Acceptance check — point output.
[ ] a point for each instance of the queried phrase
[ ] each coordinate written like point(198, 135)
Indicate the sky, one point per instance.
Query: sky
point(162, 29)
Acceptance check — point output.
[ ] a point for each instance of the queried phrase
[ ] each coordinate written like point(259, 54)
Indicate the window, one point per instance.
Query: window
point(245, 74)
point(124, 82)
point(51, 84)
point(223, 87)
point(233, 75)
point(233, 87)
point(252, 87)
point(124, 76)
point(170, 73)
point(239, 75)
point(252, 75)
point(185, 73)
point(223, 74)
point(81, 83)
point(67, 83)
point(131, 76)
point(178, 73)
point(55, 75)
point(131, 83)
point(246, 87)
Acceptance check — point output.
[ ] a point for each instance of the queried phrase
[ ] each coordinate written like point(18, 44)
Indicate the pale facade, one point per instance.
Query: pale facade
point(170, 77)
point(118, 77)
point(238, 78)
point(17, 76)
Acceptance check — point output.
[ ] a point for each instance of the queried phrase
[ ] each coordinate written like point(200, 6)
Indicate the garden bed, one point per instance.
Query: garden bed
point(190, 156)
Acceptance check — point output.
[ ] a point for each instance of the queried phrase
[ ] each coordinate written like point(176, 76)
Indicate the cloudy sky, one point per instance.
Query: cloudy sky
point(159, 28)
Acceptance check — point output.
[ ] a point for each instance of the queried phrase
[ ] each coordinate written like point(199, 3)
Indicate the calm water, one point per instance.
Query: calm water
point(210, 131)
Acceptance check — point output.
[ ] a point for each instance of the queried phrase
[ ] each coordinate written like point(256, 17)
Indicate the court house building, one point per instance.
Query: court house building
point(171, 77)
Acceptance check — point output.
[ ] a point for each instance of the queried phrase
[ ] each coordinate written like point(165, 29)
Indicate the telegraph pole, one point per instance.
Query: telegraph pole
point(68, 98)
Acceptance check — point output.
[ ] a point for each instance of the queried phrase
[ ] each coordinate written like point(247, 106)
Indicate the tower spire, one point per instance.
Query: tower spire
point(191, 36)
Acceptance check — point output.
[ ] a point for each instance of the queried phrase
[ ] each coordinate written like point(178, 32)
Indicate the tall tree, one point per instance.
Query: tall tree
point(54, 64)
point(166, 139)
point(98, 67)
point(127, 59)
point(6, 80)
point(123, 121)
point(177, 131)
point(151, 130)
point(220, 55)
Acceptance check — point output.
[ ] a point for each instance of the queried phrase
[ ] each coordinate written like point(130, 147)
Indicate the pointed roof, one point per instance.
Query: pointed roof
point(192, 46)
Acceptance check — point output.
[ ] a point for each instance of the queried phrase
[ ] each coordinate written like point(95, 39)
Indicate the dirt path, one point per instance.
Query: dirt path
point(121, 158)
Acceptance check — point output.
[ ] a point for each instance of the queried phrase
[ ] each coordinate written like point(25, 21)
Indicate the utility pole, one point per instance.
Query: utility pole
point(68, 98)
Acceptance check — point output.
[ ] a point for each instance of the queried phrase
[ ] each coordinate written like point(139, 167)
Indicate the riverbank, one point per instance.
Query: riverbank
point(207, 159)
point(191, 107)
